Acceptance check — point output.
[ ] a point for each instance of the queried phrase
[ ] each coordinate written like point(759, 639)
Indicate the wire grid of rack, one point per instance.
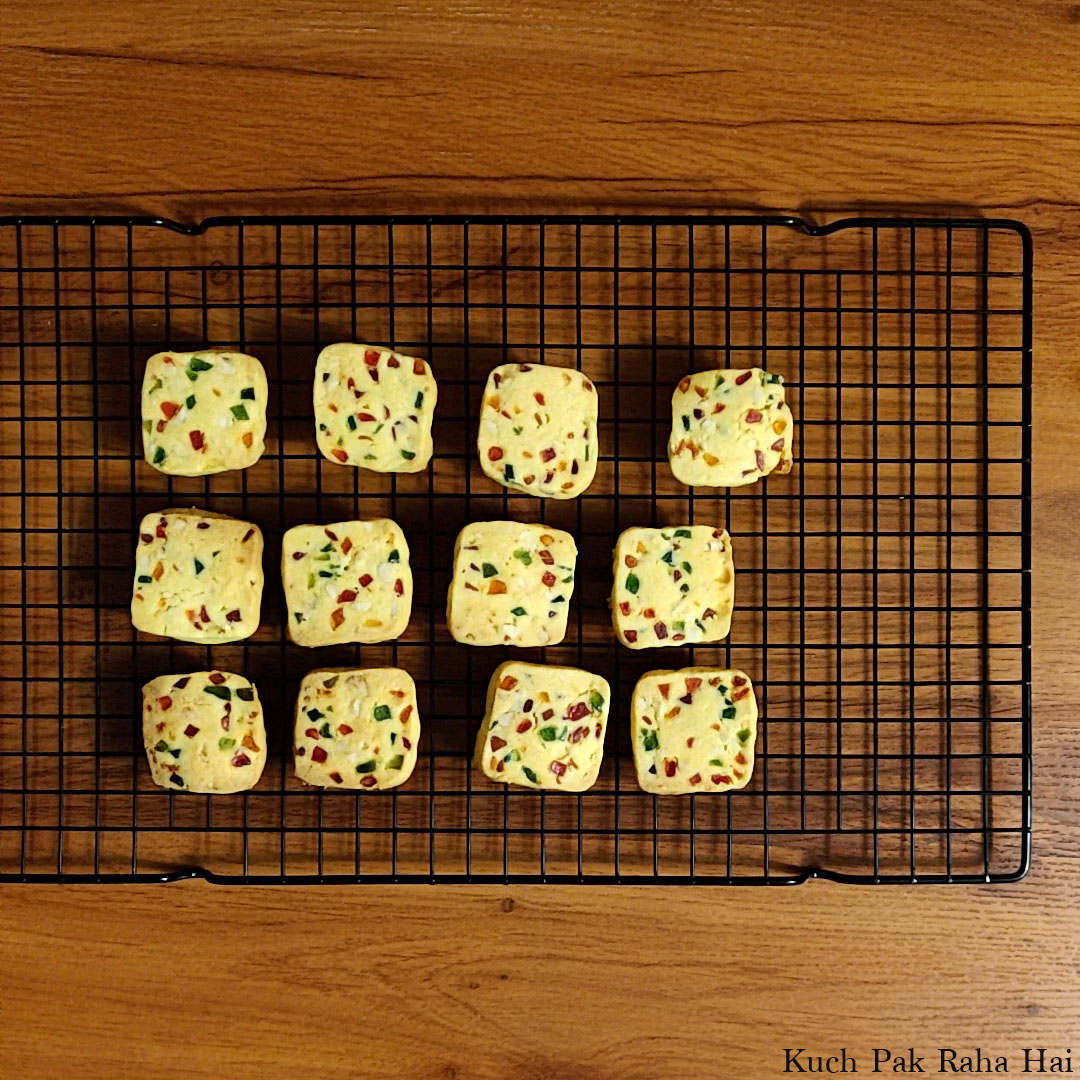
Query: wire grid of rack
point(882, 601)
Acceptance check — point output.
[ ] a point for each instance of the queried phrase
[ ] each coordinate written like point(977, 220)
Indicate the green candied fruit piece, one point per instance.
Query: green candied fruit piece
point(596, 700)
point(419, 402)
point(632, 583)
point(245, 693)
point(366, 766)
point(408, 455)
point(396, 761)
point(650, 740)
point(226, 743)
point(159, 456)
point(239, 412)
point(548, 734)
point(524, 556)
point(488, 570)
point(519, 611)
point(248, 393)
point(222, 692)
point(683, 532)
point(382, 712)
point(729, 713)
point(744, 735)
point(685, 422)
point(199, 567)
point(189, 401)
point(394, 556)
point(196, 363)
point(529, 774)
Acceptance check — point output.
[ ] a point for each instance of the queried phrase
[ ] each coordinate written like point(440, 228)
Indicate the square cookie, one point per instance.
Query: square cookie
point(729, 427)
point(543, 727)
point(512, 584)
point(349, 581)
point(673, 586)
point(373, 408)
point(356, 728)
point(693, 730)
point(204, 732)
point(203, 412)
point(538, 430)
point(198, 577)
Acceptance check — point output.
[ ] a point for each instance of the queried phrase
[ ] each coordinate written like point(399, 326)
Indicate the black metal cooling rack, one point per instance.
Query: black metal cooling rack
point(883, 588)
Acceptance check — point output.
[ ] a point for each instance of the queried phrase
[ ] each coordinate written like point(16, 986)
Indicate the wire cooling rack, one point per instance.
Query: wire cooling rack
point(882, 601)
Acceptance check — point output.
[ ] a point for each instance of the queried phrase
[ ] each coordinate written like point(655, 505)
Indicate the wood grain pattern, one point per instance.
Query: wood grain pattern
point(200, 109)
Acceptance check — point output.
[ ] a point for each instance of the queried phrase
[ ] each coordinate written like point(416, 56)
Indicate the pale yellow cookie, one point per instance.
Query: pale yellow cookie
point(198, 577)
point(544, 727)
point(512, 584)
point(203, 412)
point(729, 427)
point(693, 730)
point(204, 732)
point(347, 581)
point(356, 728)
point(672, 586)
point(538, 430)
point(373, 408)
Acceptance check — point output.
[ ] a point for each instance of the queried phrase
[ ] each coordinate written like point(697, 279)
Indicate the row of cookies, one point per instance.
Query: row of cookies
point(205, 412)
point(199, 578)
point(692, 730)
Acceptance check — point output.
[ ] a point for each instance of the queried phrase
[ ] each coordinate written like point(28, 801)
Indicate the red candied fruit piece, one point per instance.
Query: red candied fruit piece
point(578, 711)
point(336, 777)
point(738, 680)
point(624, 607)
point(365, 580)
point(557, 767)
point(495, 453)
point(215, 676)
point(346, 595)
point(233, 616)
point(164, 703)
point(371, 357)
point(670, 765)
point(170, 409)
point(692, 685)
point(661, 630)
point(418, 367)
point(240, 761)
point(497, 743)
point(393, 361)
point(344, 729)
point(197, 442)
point(549, 578)
point(547, 558)
point(752, 416)
point(740, 379)
point(630, 635)
point(524, 726)
point(547, 455)
point(318, 754)
point(399, 587)
point(191, 731)
point(696, 778)
point(368, 781)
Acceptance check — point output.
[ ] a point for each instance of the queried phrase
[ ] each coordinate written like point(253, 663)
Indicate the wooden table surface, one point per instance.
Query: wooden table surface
point(203, 108)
